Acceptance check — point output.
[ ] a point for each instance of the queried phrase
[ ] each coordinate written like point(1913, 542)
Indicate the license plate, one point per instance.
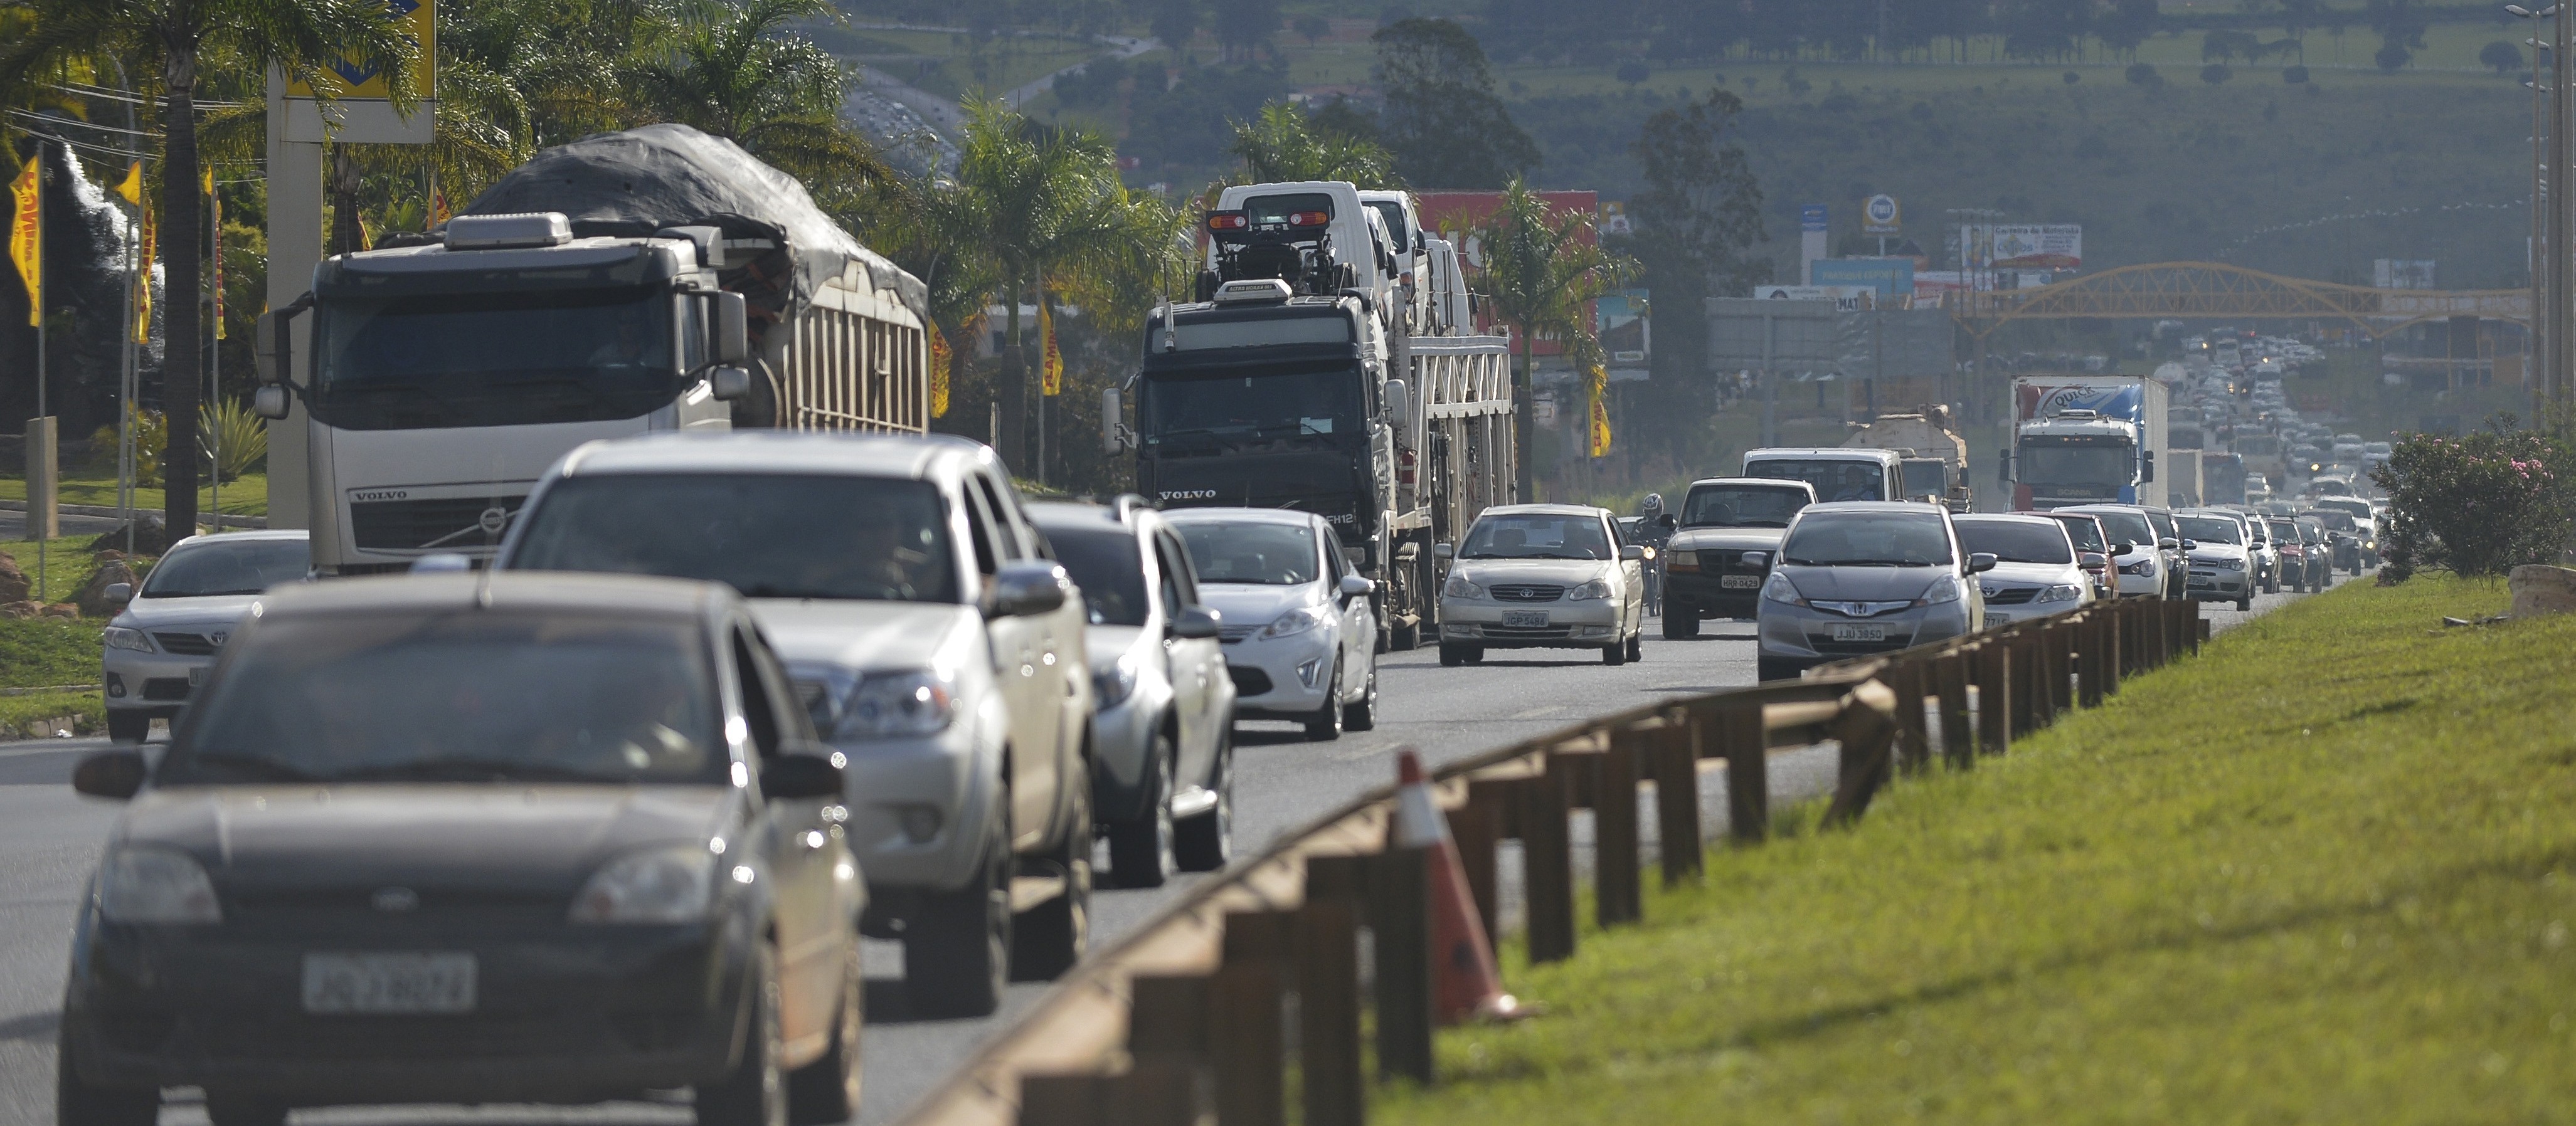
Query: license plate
point(407, 982)
point(1860, 633)
point(1740, 582)
point(1524, 619)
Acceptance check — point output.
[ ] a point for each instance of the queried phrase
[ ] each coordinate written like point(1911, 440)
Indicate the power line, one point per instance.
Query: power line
point(129, 97)
point(50, 119)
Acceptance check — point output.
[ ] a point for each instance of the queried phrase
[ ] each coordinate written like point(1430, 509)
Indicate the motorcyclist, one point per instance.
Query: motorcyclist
point(1654, 535)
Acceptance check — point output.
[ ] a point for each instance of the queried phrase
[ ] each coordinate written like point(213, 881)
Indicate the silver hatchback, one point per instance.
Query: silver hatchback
point(1863, 577)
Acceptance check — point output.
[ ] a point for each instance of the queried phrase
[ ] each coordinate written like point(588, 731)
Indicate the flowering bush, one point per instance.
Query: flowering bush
point(2476, 505)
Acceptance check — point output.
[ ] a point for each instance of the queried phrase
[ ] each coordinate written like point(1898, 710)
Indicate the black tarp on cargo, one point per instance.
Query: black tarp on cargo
point(636, 182)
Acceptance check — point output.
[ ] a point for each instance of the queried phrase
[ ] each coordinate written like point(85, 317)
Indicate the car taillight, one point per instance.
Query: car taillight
point(1227, 221)
point(1309, 218)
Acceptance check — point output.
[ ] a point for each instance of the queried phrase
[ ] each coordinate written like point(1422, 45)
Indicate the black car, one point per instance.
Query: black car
point(1724, 541)
point(2347, 535)
point(474, 839)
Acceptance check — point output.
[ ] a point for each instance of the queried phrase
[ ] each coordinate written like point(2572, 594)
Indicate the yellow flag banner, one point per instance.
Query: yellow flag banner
point(439, 211)
point(143, 285)
point(941, 358)
point(132, 186)
point(27, 234)
point(1600, 382)
point(1051, 359)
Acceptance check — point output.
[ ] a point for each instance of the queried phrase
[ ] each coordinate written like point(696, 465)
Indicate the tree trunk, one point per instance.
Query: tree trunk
point(348, 234)
point(182, 248)
point(1013, 390)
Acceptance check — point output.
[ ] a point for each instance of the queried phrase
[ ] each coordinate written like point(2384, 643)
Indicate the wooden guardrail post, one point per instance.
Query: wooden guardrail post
point(1247, 996)
point(1951, 672)
point(2115, 647)
point(1994, 698)
point(1748, 773)
point(2088, 657)
point(1547, 861)
point(1399, 884)
point(2192, 634)
point(2027, 685)
point(1867, 730)
point(1675, 768)
point(1618, 894)
point(1328, 992)
point(2061, 668)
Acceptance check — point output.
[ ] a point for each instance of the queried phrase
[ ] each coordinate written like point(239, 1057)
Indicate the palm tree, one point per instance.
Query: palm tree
point(1283, 145)
point(1542, 273)
point(731, 73)
point(173, 36)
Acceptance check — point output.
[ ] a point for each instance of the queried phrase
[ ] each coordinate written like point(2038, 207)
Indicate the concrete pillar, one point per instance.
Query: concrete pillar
point(294, 248)
point(44, 481)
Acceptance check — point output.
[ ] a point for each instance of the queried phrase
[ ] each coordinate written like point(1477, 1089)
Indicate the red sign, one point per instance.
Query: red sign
point(1455, 215)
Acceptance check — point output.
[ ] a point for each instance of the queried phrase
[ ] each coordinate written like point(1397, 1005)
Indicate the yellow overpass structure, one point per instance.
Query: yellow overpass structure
point(2215, 290)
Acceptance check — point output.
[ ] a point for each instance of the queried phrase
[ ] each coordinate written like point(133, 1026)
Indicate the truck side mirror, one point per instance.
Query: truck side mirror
point(2003, 467)
point(1112, 441)
point(270, 401)
point(732, 316)
point(2148, 472)
point(273, 342)
point(1443, 551)
point(1399, 403)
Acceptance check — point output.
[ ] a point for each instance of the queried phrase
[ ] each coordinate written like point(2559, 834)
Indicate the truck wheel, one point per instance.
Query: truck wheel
point(956, 951)
point(1681, 620)
point(1053, 935)
point(1326, 724)
point(827, 1090)
point(1204, 843)
point(1407, 638)
point(754, 1093)
point(78, 1102)
point(1362, 716)
point(230, 1108)
point(128, 727)
point(1140, 848)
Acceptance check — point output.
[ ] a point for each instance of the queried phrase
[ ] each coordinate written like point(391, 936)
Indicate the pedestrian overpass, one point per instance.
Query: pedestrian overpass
point(2216, 290)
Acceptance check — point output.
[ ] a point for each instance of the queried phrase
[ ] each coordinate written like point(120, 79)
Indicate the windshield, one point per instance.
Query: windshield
point(2210, 529)
point(2328, 486)
point(2126, 527)
point(2086, 533)
point(1105, 564)
point(1258, 552)
point(770, 535)
point(2336, 521)
point(1738, 506)
point(495, 359)
point(1536, 535)
point(1834, 479)
point(2102, 467)
point(2164, 524)
point(1925, 477)
point(1867, 539)
point(2258, 445)
point(1398, 235)
point(237, 567)
point(462, 696)
point(1238, 411)
point(2284, 531)
point(2016, 541)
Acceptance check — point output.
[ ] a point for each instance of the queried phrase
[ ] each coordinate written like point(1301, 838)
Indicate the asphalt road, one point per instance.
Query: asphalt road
point(49, 839)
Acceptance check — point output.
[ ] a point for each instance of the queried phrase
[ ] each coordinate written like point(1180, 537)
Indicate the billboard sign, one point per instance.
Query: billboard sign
point(2049, 246)
point(1811, 217)
point(1623, 322)
point(1879, 215)
point(360, 108)
point(2401, 273)
point(1885, 276)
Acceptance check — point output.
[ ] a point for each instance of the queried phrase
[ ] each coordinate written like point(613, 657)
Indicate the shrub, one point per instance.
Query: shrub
point(2477, 505)
point(244, 437)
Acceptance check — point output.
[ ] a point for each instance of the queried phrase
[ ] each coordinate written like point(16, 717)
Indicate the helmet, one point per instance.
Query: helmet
point(1653, 503)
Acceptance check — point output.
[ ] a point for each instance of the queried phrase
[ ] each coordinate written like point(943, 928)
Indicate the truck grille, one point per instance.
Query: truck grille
point(444, 523)
point(1523, 592)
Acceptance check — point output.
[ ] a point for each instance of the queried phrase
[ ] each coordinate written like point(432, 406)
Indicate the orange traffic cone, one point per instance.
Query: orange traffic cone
point(1465, 984)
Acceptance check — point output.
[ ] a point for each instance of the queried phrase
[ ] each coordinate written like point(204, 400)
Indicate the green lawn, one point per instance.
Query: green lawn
point(2324, 873)
point(245, 496)
point(46, 652)
point(22, 717)
point(67, 566)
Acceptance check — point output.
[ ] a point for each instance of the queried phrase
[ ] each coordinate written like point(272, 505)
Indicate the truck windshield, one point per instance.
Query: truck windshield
point(1242, 410)
point(770, 535)
point(494, 359)
point(2045, 463)
point(1834, 478)
point(1737, 506)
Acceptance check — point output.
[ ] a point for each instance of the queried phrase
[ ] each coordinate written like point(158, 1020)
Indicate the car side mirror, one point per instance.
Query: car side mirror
point(1027, 589)
point(1443, 551)
point(2191, 545)
point(119, 592)
point(732, 316)
point(2092, 559)
point(803, 770)
point(1668, 520)
point(1980, 562)
point(2169, 545)
point(1631, 551)
point(271, 401)
point(1196, 623)
point(2124, 549)
point(1354, 586)
point(114, 774)
point(729, 383)
point(1755, 559)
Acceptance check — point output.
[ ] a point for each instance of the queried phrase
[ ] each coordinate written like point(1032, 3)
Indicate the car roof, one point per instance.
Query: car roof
point(1764, 482)
point(775, 451)
point(2000, 517)
point(1543, 510)
point(1904, 506)
point(1240, 515)
point(247, 535)
point(1855, 453)
point(632, 595)
point(1082, 516)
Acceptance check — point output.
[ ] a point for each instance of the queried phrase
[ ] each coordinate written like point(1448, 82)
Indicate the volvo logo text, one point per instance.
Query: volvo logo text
point(379, 494)
point(1187, 494)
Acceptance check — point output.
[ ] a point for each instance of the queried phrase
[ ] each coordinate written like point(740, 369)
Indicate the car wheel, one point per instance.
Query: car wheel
point(1052, 936)
point(1475, 654)
point(1407, 638)
point(2244, 604)
point(1615, 653)
point(1140, 848)
point(1451, 655)
point(1776, 668)
point(78, 1102)
point(1203, 843)
point(827, 1090)
point(128, 727)
point(956, 952)
point(1326, 724)
point(754, 1093)
point(1637, 644)
point(1681, 620)
point(1362, 716)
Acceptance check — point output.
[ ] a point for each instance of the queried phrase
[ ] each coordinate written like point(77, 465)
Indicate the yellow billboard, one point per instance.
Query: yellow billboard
point(345, 77)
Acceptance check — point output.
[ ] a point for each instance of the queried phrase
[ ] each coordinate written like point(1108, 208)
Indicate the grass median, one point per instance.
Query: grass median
point(2324, 872)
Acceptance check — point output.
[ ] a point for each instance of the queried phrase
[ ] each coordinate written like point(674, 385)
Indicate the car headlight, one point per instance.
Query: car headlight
point(2140, 567)
point(1778, 588)
point(1681, 561)
point(1942, 590)
point(674, 884)
point(142, 884)
point(2062, 592)
point(1593, 591)
point(886, 705)
point(1300, 620)
point(119, 637)
point(1460, 588)
point(1111, 684)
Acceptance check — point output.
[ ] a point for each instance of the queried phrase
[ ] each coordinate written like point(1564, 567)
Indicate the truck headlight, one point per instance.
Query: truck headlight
point(143, 884)
point(674, 884)
point(886, 705)
point(1593, 591)
point(1683, 561)
point(1460, 588)
point(1778, 588)
point(2062, 592)
point(119, 637)
point(1111, 684)
point(1300, 620)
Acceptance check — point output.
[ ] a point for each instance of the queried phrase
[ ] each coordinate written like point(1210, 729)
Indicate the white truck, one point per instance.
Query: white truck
point(1924, 435)
point(2085, 439)
point(650, 280)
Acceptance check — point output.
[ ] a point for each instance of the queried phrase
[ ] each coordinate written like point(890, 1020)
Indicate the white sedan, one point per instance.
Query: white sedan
point(1543, 576)
point(2037, 571)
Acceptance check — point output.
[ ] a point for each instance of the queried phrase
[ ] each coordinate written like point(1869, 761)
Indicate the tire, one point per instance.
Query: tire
point(827, 1090)
point(1406, 639)
point(755, 1092)
point(229, 1108)
point(1452, 655)
point(1776, 668)
point(2244, 604)
point(1050, 937)
point(1681, 620)
point(1205, 842)
point(1615, 653)
point(1637, 644)
point(1326, 724)
point(128, 727)
point(957, 952)
point(1362, 716)
point(1140, 848)
point(1475, 654)
point(77, 1102)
